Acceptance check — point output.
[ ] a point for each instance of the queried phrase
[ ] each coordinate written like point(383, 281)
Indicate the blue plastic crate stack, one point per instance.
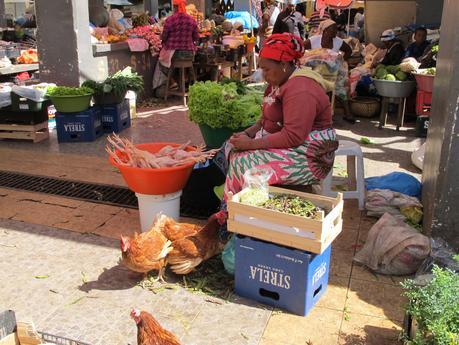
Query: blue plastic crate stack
point(79, 127)
point(283, 260)
point(90, 124)
point(116, 117)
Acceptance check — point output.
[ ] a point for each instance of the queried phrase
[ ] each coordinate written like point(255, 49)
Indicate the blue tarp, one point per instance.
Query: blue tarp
point(242, 17)
point(397, 182)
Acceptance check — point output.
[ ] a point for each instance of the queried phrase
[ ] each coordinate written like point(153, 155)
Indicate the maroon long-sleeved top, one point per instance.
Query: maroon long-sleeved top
point(299, 106)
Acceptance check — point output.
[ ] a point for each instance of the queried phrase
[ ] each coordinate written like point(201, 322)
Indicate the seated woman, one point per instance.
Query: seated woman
point(328, 39)
point(294, 136)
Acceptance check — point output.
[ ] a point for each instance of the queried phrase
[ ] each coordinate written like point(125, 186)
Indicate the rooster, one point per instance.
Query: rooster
point(145, 252)
point(191, 244)
point(150, 332)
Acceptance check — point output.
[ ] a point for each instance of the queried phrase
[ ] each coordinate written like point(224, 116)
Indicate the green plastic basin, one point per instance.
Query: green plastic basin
point(71, 104)
point(215, 137)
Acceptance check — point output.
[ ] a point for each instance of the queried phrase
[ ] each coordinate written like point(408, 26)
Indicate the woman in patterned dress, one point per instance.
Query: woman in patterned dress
point(294, 136)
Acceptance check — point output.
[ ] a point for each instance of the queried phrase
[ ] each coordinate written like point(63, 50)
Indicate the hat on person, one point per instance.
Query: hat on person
point(388, 35)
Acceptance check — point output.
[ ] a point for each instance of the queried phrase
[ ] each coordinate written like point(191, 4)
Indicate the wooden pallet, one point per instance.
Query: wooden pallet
point(36, 133)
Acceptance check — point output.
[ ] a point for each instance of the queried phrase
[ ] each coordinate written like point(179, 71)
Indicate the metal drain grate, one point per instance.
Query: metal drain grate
point(92, 192)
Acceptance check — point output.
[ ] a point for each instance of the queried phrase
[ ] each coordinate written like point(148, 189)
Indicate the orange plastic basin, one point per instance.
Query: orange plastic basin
point(155, 181)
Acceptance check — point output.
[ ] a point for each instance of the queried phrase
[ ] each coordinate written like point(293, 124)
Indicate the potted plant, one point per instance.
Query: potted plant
point(221, 109)
point(113, 90)
point(433, 312)
point(70, 99)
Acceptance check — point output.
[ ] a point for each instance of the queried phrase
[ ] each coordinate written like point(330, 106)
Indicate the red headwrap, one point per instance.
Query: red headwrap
point(181, 4)
point(283, 47)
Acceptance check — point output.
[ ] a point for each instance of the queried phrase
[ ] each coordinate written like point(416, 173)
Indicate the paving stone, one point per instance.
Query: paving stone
point(367, 330)
point(376, 299)
point(46, 284)
point(321, 326)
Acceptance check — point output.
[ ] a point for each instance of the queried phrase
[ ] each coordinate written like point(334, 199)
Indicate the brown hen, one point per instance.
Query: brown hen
point(173, 230)
point(146, 252)
point(193, 246)
point(150, 332)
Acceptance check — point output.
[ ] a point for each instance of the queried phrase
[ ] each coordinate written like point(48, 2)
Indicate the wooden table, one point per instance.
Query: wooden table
point(15, 69)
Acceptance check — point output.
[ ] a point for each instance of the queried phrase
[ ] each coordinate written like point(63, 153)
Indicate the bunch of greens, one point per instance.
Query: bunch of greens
point(118, 84)
point(221, 105)
point(291, 204)
point(69, 91)
point(435, 307)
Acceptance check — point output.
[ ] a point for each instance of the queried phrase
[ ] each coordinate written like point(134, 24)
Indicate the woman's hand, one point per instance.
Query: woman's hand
point(241, 142)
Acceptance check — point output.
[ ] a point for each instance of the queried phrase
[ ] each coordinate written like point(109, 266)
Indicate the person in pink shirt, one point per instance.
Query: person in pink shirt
point(294, 137)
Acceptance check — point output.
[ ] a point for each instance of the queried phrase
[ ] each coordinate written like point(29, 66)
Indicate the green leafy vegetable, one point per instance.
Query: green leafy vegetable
point(435, 49)
point(366, 141)
point(119, 83)
point(435, 307)
point(220, 105)
point(291, 204)
point(69, 91)
point(254, 196)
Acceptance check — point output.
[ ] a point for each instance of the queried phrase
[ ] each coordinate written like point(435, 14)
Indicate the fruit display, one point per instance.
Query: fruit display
point(390, 72)
point(151, 33)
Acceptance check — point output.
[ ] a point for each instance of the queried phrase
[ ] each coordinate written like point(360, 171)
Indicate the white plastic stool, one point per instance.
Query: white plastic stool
point(355, 173)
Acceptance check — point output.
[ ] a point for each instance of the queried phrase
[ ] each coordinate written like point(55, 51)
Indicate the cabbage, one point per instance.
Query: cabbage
point(381, 73)
point(392, 69)
point(409, 65)
point(390, 77)
point(402, 76)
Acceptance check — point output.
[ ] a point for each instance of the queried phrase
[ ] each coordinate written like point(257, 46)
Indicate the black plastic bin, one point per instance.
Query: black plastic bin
point(198, 198)
point(9, 116)
point(19, 103)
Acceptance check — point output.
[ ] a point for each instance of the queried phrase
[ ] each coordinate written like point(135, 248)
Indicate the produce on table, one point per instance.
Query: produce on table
point(409, 65)
point(118, 84)
point(151, 33)
point(221, 105)
point(69, 91)
point(392, 73)
point(142, 19)
point(435, 49)
point(427, 71)
point(28, 56)
point(167, 157)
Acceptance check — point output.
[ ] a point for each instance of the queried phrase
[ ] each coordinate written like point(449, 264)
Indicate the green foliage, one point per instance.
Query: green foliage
point(291, 204)
point(220, 105)
point(435, 49)
point(119, 83)
point(69, 91)
point(435, 308)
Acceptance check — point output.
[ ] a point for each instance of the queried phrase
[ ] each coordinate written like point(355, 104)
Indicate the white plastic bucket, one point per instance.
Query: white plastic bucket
point(151, 205)
point(131, 97)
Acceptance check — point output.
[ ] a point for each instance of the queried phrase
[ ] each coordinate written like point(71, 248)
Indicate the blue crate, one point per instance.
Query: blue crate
point(116, 117)
point(78, 127)
point(279, 276)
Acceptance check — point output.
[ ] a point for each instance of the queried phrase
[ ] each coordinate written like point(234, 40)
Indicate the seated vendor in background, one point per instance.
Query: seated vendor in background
point(417, 48)
point(395, 51)
point(294, 136)
point(180, 32)
point(327, 38)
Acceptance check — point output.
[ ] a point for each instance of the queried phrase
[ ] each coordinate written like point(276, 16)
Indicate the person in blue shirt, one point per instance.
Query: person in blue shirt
point(417, 48)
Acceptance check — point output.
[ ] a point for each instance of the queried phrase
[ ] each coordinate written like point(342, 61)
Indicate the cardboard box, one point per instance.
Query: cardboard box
point(312, 235)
